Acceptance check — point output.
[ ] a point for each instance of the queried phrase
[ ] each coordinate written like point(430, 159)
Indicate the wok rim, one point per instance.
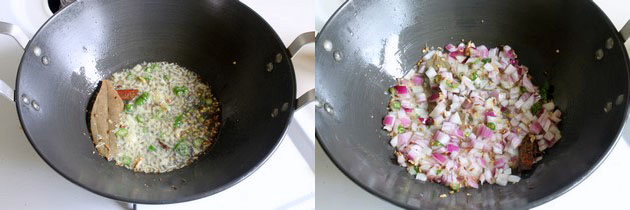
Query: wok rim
point(177, 199)
point(618, 41)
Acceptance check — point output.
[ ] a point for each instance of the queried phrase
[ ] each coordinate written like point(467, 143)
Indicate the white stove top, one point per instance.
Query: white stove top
point(599, 191)
point(285, 181)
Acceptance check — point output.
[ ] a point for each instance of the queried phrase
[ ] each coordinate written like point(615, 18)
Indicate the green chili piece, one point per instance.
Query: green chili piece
point(438, 78)
point(492, 126)
point(452, 85)
point(437, 144)
point(180, 90)
point(544, 91)
point(474, 76)
point(122, 132)
point(151, 67)
point(129, 107)
point(142, 99)
point(536, 108)
point(401, 129)
point(179, 120)
point(455, 187)
point(396, 105)
point(126, 160)
point(152, 148)
point(182, 148)
point(141, 119)
point(198, 142)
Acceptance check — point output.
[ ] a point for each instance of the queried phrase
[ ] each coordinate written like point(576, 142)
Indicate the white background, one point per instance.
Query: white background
point(604, 189)
point(285, 181)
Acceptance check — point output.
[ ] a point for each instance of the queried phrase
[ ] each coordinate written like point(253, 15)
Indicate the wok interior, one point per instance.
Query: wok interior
point(223, 41)
point(377, 48)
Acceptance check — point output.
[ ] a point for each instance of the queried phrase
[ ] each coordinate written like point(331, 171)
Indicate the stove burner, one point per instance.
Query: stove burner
point(53, 5)
point(56, 5)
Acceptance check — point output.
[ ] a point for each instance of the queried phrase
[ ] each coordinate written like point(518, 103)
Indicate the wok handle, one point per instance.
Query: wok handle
point(625, 31)
point(306, 98)
point(15, 32)
point(300, 41)
point(294, 47)
point(19, 36)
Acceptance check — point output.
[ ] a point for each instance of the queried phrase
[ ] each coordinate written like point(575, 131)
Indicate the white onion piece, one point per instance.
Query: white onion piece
point(394, 141)
point(429, 55)
point(509, 70)
point(549, 106)
point(513, 179)
point(421, 177)
point(455, 119)
point(442, 137)
point(528, 84)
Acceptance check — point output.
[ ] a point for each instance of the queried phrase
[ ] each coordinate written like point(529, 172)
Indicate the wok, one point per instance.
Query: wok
point(226, 43)
point(571, 44)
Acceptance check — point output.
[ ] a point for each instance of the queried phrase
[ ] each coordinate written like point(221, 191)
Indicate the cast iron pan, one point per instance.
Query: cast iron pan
point(367, 44)
point(89, 40)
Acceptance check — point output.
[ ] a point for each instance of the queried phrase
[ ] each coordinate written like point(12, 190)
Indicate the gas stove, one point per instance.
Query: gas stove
point(599, 191)
point(285, 181)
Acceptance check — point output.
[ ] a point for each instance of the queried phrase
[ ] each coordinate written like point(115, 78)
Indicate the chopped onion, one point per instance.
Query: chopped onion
point(421, 177)
point(460, 118)
point(483, 51)
point(429, 55)
point(440, 158)
point(499, 163)
point(388, 122)
point(484, 131)
point(394, 141)
point(403, 139)
point(405, 121)
point(452, 148)
point(417, 80)
point(509, 70)
point(431, 73)
point(502, 179)
point(435, 97)
point(549, 106)
point(459, 133)
point(401, 90)
point(449, 127)
point(513, 179)
point(441, 137)
point(455, 119)
point(450, 48)
point(401, 161)
point(528, 84)
point(413, 154)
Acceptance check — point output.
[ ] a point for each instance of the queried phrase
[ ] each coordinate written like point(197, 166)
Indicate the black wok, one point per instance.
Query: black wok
point(571, 44)
point(89, 40)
